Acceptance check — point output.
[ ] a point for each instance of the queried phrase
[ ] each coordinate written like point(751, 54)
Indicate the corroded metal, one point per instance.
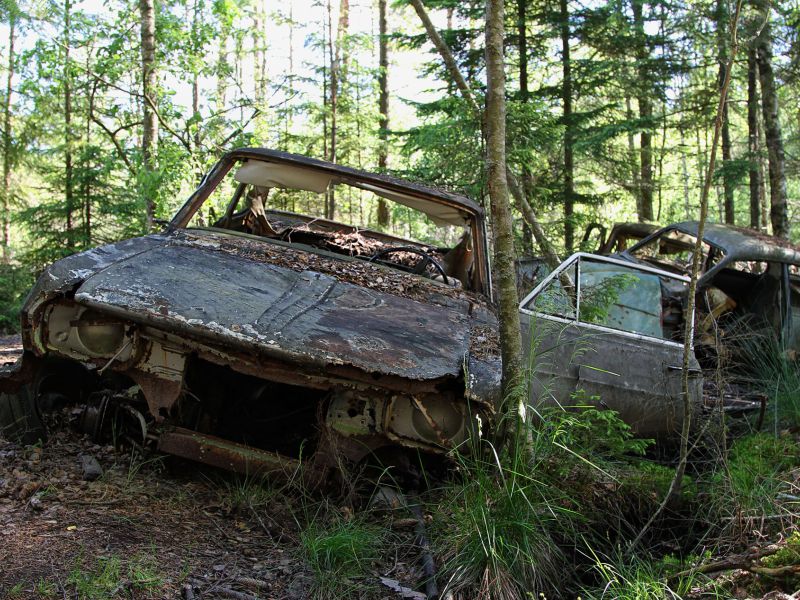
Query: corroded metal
point(224, 454)
point(307, 317)
point(282, 324)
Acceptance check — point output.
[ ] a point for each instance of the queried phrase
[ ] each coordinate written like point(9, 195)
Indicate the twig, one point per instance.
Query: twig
point(428, 566)
point(235, 595)
point(744, 562)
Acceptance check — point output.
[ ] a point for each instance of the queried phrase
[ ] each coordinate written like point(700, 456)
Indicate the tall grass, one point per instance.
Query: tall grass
point(767, 365)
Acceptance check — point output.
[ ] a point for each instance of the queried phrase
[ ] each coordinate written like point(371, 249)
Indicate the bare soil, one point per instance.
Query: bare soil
point(178, 529)
point(151, 526)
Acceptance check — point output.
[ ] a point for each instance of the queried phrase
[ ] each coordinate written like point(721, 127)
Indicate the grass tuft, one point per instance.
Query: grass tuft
point(340, 549)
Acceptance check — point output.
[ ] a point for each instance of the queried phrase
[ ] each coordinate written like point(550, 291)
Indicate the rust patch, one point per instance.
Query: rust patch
point(223, 454)
point(359, 272)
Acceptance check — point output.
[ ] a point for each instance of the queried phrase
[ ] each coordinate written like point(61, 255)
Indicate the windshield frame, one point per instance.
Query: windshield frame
point(474, 215)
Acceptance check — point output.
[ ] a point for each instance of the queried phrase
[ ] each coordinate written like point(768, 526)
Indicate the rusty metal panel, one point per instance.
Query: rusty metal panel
point(223, 454)
point(305, 317)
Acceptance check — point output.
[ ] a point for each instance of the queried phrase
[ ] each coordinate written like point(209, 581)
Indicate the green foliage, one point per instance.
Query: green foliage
point(788, 555)
point(494, 530)
point(598, 300)
point(340, 549)
point(770, 368)
point(113, 577)
point(645, 477)
point(597, 433)
point(637, 579)
point(14, 283)
point(757, 468)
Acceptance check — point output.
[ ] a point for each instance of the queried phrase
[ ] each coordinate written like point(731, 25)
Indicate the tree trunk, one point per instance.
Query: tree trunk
point(524, 95)
point(689, 310)
point(550, 255)
point(288, 119)
point(722, 57)
point(772, 129)
point(645, 114)
point(332, 103)
point(447, 56)
point(633, 160)
point(7, 195)
point(150, 124)
point(196, 89)
point(87, 164)
point(502, 227)
point(383, 106)
point(566, 99)
point(68, 174)
point(259, 56)
point(753, 140)
point(522, 48)
point(222, 68)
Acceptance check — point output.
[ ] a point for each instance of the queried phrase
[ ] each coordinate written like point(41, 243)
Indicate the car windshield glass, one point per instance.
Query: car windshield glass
point(673, 250)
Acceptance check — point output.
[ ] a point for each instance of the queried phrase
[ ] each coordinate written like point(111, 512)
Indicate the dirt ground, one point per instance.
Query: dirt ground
point(159, 531)
point(149, 527)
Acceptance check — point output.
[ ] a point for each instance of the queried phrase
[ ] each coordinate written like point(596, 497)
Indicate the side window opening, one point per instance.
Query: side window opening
point(559, 297)
point(615, 296)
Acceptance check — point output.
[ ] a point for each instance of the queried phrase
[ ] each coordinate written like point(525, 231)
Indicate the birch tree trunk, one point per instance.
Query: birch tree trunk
point(502, 231)
point(150, 124)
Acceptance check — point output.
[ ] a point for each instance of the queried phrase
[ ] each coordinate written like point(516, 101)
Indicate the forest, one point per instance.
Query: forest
point(615, 111)
point(113, 112)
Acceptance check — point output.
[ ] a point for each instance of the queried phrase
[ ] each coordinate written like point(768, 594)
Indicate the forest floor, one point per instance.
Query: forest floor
point(149, 527)
point(153, 526)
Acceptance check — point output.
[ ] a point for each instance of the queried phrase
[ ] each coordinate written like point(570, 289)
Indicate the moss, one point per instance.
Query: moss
point(787, 556)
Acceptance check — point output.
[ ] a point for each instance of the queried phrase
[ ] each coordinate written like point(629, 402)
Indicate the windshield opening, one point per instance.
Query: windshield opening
point(673, 251)
point(293, 205)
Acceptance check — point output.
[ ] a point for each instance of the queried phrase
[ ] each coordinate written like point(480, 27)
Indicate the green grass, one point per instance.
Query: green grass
point(340, 551)
point(112, 577)
point(772, 372)
point(637, 579)
point(757, 469)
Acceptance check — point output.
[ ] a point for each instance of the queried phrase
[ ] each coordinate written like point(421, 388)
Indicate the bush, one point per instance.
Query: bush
point(15, 281)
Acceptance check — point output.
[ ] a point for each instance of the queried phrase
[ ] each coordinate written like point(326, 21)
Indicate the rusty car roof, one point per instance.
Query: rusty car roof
point(381, 179)
point(738, 243)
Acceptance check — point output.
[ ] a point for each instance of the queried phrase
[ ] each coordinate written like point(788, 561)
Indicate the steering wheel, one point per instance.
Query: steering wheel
point(417, 269)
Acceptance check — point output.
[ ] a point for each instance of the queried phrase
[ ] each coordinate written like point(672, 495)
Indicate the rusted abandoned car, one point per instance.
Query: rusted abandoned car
point(252, 333)
point(621, 237)
point(612, 327)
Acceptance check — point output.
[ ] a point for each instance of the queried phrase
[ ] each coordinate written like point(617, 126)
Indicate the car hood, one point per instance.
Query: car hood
point(192, 286)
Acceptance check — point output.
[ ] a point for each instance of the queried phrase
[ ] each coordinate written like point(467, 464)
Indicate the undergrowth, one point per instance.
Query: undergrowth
point(115, 577)
point(341, 549)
